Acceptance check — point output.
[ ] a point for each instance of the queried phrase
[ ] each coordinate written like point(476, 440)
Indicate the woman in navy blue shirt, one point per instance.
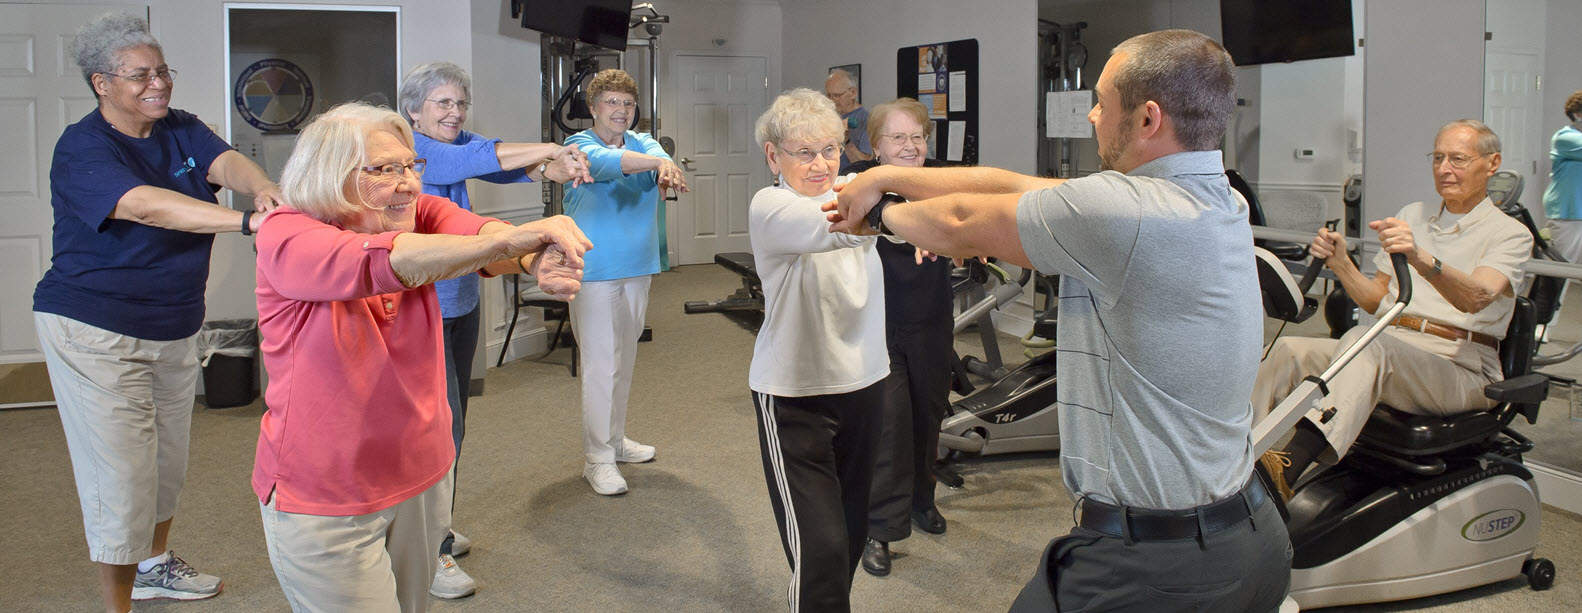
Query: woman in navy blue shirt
point(435, 98)
point(133, 185)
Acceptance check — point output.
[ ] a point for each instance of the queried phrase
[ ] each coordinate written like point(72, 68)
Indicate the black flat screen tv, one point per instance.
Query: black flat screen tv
point(1267, 31)
point(596, 22)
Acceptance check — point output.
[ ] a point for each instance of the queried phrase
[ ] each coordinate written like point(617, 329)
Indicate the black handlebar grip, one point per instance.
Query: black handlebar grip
point(1403, 277)
point(1314, 266)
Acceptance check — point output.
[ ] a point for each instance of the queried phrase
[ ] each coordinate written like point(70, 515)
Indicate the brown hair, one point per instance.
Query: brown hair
point(611, 80)
point(909, 106)
point(1189, 75)
point(1574, 105)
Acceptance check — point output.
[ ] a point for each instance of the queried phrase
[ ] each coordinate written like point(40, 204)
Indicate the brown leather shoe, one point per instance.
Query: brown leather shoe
point(1274, 464)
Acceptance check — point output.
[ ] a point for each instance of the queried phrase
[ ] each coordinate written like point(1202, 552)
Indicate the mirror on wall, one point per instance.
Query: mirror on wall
point(1529, 71)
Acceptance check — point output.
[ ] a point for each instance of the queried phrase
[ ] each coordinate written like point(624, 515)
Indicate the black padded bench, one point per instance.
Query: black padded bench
point(749, 297)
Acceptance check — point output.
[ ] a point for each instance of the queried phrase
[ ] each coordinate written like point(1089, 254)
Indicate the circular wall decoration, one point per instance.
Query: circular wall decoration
point(273, 95)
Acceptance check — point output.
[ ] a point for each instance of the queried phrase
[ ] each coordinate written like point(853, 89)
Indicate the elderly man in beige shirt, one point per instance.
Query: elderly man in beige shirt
point(1465, 257)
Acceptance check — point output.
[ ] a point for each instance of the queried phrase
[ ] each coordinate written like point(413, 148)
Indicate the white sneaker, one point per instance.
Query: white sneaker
point(634, 452)
point(450, 581)
point(174, 579)
point(605, 478)
point(459, 545)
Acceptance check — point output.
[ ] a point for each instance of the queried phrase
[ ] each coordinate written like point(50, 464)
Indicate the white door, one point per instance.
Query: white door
point(1513, 71)
point(41, 91)
point(717, 100)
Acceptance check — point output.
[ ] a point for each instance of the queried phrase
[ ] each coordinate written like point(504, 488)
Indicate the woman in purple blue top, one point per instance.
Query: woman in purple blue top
point(621, 208)
point(133, 186)
point(435, 98)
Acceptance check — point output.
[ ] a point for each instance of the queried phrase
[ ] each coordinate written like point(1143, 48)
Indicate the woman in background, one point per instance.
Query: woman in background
point(435, 98)
point(620, 212)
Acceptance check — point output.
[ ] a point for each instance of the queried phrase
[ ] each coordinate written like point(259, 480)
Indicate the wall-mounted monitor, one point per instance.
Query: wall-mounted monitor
point(596, 22)
point(1264, 31)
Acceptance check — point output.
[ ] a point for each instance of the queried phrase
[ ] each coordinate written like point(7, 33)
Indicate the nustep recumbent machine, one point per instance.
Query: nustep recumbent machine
point(1420, 505)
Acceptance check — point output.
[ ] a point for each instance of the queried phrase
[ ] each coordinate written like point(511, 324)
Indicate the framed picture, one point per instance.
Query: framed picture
point(855, 70)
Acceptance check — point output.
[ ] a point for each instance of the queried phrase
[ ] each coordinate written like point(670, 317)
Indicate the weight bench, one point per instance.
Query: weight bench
point(748, 297)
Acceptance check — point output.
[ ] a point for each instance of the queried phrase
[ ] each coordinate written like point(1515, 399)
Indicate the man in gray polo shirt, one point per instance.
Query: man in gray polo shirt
point(1160, 328)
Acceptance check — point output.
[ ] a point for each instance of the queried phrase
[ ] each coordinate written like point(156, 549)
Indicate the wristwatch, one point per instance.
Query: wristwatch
point(247, 223)
point(1439, 267)
point(875, 217)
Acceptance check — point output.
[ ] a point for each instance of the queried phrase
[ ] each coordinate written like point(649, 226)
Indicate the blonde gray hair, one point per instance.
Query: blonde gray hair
point(424, 78)
point(802, 114)
point(98, 44)
point(1488, 141)
point(329, 150)
point(903, 105)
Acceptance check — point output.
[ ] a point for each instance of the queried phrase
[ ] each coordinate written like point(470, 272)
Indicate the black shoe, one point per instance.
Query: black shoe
point(929, 520)
point(876, 558)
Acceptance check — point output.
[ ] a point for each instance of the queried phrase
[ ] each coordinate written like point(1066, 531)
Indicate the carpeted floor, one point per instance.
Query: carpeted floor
point(695, 533)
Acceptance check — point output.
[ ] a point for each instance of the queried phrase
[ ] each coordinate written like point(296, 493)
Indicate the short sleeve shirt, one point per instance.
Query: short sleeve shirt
point(1483, 238)
point(119, 275)
point(1160, 327)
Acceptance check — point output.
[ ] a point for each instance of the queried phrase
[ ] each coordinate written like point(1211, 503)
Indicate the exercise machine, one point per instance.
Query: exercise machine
point(1421, 505)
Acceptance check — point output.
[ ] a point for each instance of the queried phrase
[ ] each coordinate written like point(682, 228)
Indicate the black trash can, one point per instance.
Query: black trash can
point(228, 351)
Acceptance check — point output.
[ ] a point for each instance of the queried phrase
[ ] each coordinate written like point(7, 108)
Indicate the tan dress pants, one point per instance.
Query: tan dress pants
point(1408, 370)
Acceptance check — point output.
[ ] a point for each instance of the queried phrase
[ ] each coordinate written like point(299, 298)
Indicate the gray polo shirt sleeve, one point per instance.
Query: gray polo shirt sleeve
point(1084, 228)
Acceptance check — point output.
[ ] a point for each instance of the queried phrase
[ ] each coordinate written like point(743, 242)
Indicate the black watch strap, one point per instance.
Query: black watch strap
point(875, 217)
point(247, 222)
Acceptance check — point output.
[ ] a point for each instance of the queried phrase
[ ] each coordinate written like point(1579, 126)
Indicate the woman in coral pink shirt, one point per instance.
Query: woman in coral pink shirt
point(354, 453)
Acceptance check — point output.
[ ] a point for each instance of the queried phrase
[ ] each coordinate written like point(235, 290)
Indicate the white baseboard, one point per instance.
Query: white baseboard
point(525, 343)
point(1557, 488)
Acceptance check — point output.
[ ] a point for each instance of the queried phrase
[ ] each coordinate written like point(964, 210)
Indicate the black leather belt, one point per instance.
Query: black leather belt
point(1138, 524)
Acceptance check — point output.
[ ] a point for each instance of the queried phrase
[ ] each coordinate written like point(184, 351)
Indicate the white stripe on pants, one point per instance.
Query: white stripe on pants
point(380, 561)
point(607, 317)
point(1408, 370)
point(126, 406)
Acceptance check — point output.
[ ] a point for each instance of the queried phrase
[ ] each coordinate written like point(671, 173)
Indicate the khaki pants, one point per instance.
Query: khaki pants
point(1405, 369)
point(381, 561)
point(126, 406)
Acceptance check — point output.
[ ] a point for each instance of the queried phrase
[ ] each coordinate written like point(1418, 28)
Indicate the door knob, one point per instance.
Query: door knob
point(686, 163)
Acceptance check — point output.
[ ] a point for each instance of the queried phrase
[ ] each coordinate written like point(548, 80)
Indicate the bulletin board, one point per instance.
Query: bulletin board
point(944, 77)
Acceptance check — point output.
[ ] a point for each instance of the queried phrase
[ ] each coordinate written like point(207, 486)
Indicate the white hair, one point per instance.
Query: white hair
point(328, 151)
point(801, 114)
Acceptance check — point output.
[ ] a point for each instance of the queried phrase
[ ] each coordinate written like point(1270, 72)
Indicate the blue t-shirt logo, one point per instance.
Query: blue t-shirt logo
point(186, 167)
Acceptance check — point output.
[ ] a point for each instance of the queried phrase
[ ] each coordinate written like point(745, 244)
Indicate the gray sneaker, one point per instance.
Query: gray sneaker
point(175, 579)
point(450, 581)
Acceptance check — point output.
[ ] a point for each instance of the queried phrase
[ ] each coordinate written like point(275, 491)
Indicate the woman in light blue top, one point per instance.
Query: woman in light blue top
point(619, 211)
point(435, 98)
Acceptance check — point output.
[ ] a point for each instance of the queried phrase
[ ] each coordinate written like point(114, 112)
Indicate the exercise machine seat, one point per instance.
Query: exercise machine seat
point(1407, 434)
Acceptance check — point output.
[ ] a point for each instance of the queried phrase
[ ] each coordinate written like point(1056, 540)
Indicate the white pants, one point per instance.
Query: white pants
point(380, 561)
point(1565, 236)
point(126, 406)
point(1408, 370)
point(607, 317)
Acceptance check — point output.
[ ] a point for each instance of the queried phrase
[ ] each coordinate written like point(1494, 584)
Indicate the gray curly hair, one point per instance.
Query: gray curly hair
point(99, 43)
point(423, 78)
point(799, 113)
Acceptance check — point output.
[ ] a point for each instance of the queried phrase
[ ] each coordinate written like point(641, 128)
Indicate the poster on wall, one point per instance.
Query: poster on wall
point(944, 78)
point(273, 95)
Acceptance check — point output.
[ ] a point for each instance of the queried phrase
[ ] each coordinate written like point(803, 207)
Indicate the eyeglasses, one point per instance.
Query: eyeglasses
point(898, 138)
point(446, 104)
point(805, 155)
point(1457, 160)
point(395, 170)
point(168, 75)
point(832, 95)
point(619, 102)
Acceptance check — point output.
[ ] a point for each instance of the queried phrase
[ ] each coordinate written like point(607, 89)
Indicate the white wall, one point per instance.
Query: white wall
point(1424, 67)
point(824, 33)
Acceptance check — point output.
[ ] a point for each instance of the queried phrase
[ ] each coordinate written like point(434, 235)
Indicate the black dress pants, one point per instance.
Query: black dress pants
point(818, 462)
point(916, 398)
